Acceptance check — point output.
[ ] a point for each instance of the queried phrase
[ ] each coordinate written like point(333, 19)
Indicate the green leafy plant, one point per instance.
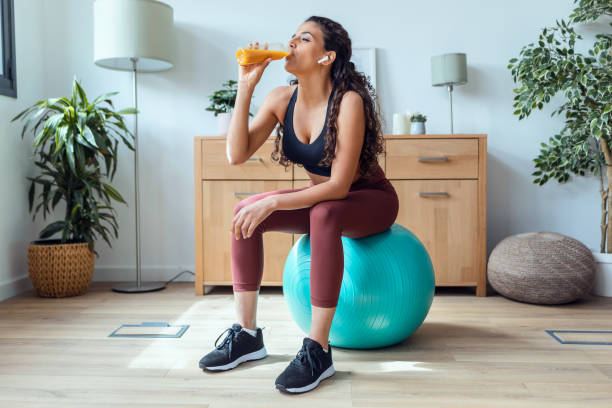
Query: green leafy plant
point(71, 137)
point(551, 66)
point(418, 117)
point(223, 100)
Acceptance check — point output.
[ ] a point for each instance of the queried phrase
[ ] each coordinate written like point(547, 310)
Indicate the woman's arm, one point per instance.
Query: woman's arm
point(242, 139)
point(240, 148)
point(351, 129)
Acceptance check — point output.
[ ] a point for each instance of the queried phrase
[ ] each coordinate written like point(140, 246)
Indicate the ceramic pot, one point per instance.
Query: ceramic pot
point(223, 121)
point(602, 286)
point(417, 128)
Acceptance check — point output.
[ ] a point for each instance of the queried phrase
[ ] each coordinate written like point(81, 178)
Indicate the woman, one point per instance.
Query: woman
point(328, 124)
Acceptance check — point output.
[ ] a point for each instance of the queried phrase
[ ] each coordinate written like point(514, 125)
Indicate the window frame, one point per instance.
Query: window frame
point(8, 79)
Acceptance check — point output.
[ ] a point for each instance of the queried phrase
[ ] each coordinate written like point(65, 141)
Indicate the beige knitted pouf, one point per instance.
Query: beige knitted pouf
point(541, 267)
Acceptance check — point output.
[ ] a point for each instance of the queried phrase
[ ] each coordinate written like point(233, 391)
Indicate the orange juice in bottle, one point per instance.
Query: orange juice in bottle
point(246, 56)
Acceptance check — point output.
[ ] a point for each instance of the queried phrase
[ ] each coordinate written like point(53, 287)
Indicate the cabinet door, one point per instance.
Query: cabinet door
point(443, 214)
point(219, 199)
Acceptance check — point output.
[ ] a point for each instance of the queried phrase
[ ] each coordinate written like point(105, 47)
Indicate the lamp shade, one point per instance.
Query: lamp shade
point(448, 69)
point(125, 29)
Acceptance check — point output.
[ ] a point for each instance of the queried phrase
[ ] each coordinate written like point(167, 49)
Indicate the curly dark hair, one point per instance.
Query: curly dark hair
point(345, 78)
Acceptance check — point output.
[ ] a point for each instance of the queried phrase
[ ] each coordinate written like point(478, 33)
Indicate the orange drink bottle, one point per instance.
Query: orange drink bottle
point(246, 56)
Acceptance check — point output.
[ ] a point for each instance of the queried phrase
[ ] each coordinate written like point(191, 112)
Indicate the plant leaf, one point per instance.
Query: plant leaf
point(52, 229)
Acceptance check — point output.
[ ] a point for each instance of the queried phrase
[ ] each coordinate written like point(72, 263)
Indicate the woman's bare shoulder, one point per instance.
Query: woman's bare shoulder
point(351, 98)
point(282, 92)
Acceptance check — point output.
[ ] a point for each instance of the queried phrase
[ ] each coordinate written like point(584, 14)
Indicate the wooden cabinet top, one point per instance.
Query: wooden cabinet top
point(413, 136)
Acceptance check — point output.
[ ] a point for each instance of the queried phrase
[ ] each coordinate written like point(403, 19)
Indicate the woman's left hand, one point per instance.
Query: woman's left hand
point(250, 216)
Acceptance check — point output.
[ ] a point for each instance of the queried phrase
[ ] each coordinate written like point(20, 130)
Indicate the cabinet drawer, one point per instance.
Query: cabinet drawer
point(443, 215)
point(432, 158)
point(258, 167)
point(300, 174)
point(219, 197)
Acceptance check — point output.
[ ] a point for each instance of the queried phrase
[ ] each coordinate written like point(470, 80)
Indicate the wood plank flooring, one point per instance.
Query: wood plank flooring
point(470, 352)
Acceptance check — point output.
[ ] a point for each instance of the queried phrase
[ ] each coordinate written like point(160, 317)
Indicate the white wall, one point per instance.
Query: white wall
point(406, 35)
point(16, 226)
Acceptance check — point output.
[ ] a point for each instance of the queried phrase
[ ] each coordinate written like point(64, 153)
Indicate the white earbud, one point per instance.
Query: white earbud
point(325, 58)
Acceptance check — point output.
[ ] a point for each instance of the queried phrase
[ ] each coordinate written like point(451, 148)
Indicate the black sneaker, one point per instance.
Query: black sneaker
point(237, 347)
point(310, 366)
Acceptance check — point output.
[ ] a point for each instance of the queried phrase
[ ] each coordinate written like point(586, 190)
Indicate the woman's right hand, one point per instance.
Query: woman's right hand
point(249, 75)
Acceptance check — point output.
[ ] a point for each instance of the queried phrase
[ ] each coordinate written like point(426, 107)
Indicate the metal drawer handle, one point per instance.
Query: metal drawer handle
point(244, 194)
point(434, 193)
point(257, 159)
point(429, 159)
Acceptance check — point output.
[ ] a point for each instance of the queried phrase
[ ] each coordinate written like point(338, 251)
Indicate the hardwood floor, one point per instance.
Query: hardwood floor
point(469, 352)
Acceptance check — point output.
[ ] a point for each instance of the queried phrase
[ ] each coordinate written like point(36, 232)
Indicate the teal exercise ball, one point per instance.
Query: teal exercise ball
point(388, 286)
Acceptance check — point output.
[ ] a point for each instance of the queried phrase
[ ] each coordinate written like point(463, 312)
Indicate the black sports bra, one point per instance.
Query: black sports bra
point(310, 154)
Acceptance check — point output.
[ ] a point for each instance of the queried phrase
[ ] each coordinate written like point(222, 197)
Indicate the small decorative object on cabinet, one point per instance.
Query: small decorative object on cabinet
point(440, 181)
point(448, 70)
point(401, 124)
point(417, 123)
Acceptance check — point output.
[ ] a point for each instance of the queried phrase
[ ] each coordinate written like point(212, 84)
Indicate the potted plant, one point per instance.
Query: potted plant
point(222, 104)
point(72, 137)
point(551, 66)
point(417, 123)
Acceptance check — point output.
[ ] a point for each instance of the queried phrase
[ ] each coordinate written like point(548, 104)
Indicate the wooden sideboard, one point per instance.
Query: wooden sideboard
point(440, 181)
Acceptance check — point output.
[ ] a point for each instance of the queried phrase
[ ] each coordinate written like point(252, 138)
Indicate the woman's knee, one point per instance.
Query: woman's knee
point(325, 213)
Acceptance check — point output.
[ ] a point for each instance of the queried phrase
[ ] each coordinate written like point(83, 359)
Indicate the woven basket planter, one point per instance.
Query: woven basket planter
point(541, 268)
point(60, 270)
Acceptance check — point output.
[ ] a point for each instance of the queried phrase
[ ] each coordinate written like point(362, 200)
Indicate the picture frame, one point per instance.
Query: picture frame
point(364, 59)
point(8, 81)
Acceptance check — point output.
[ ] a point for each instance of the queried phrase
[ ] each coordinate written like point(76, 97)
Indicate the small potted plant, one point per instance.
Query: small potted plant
point(417, 123)
point(222, 104)
point(72, 137)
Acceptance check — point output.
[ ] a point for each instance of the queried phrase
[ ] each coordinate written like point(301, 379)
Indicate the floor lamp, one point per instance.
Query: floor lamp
point(133, 35)
point(449, 70)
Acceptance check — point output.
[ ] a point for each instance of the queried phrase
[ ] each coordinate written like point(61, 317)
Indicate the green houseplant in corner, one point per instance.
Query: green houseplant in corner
point(222, 104)
point(72, 137)
point(552, 66)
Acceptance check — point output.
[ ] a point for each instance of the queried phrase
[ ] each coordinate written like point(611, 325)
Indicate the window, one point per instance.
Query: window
point(8, 80)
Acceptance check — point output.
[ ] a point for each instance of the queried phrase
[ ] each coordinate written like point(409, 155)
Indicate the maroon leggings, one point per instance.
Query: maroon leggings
point(370, 207)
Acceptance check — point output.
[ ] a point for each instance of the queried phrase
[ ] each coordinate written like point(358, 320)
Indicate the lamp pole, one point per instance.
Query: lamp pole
point(450, 95)
point(136, 175)
point(148, 286)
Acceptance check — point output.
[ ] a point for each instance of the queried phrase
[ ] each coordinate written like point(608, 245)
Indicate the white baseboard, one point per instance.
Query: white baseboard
point(110, 274)
point(15, 287)
point(147, 273)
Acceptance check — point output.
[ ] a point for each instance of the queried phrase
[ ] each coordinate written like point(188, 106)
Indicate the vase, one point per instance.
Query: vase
point(60, 270)
point(400, 122)
point(602, 285)
point(417, 128)
point(223, 121)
